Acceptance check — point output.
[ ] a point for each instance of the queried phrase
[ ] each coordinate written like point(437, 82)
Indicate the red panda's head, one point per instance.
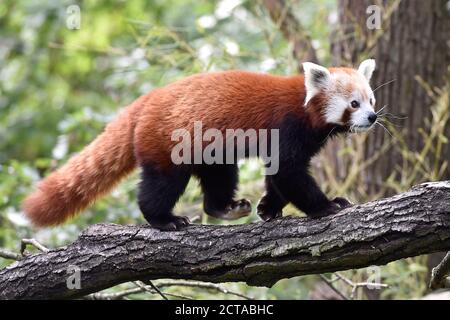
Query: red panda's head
point(346, 98)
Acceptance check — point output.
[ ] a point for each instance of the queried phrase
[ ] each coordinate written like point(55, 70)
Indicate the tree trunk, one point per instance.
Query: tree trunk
point(411, 47)
point(409, 224)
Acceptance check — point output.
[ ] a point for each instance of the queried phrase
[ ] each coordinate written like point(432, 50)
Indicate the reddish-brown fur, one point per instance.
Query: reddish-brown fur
point(88, 175)
point(142, 133)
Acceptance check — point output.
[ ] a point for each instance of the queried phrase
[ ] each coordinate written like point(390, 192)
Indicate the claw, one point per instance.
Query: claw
point(342, 202)
point(171, 223)
point(238, 209)
point(265, 213)
point(270, 216)
point(331, 209)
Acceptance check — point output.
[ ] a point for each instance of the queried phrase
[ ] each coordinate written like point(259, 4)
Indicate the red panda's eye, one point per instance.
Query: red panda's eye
point(355, 104)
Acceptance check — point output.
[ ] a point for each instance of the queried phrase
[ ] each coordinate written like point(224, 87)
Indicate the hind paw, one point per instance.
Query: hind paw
point(342, 202)
point(170, 223)
point(267, 212)
point(237, 209)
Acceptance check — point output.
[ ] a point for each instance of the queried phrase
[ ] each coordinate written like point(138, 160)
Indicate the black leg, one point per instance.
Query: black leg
point(272, 202)
point(298, 187)
point(158, 193)
point(298, 143)
point(219, 184)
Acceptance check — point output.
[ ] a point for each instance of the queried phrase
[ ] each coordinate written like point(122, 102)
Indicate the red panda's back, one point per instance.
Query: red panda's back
point(221, 100)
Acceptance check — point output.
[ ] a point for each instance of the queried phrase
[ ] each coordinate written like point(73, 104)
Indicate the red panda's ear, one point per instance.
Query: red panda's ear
point(316, 79)
point(366, 68)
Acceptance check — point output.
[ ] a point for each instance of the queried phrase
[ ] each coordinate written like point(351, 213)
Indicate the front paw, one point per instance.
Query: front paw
point(267, 212)
point(238, 209)
point(342, 202)
point(331, 209)
point(169, 223)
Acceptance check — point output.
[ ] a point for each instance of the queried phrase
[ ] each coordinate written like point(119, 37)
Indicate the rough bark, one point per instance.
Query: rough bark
point(411, 48)
point(409, 224)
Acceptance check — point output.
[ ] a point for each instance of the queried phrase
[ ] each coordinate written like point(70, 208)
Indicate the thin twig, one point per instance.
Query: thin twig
point(142, 285)
point(329, 283)
point(203, 285)
point(10, 255)
point(34, 243)
point(438, 274)
point(113, 295)
point(383, 84)
point(356, 285)
point(125, 293)
point(385, 129)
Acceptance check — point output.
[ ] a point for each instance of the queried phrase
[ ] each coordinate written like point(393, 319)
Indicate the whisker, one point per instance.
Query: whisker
point(329, 134)
point(381, 109)
point(390, 122)
point(387, 115)
point(394, 116)
point(384, 84)
point(385, 129)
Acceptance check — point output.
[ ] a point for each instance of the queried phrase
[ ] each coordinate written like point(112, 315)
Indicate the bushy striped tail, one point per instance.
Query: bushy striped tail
point(87, 176)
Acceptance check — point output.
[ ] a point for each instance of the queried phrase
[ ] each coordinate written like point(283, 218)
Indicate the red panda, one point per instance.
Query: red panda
point(306, 109)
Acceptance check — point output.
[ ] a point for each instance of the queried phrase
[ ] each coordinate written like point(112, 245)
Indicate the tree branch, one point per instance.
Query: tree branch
point(292, 30)
point(10, 255)
point(409, 224)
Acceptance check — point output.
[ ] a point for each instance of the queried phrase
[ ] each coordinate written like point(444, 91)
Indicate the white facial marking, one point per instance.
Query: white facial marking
point(338, 102)
point(360, 118)
point(342, 87)
point(335, 109)
point(345, 89)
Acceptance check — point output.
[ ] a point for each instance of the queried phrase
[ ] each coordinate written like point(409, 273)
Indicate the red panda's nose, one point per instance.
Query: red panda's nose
point(373, 117)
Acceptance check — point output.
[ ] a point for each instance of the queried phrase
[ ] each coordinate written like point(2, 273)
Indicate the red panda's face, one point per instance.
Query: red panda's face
point(347, 97)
